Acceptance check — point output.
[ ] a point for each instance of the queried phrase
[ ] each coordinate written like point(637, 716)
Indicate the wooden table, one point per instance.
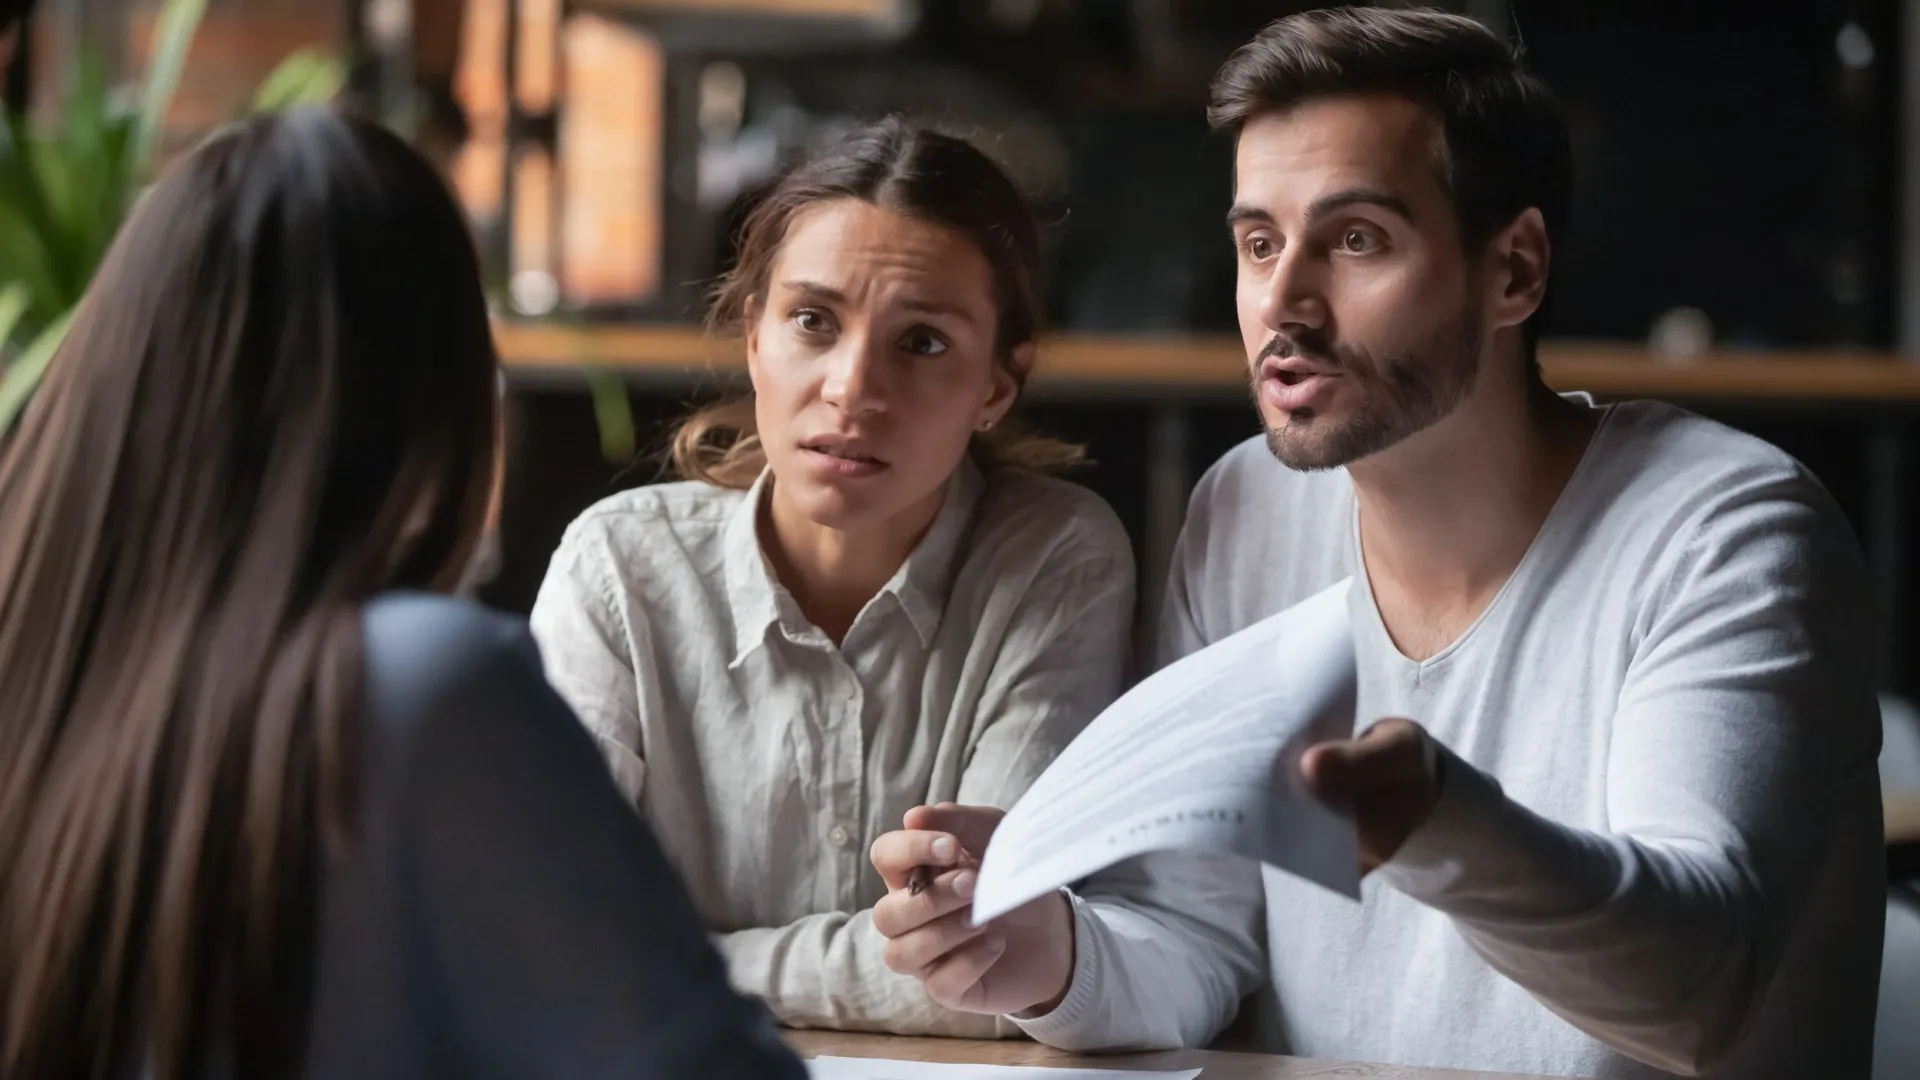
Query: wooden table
point(1214, 1064)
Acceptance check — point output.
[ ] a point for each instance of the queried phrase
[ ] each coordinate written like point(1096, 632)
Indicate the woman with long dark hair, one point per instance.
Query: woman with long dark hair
point(270, 803)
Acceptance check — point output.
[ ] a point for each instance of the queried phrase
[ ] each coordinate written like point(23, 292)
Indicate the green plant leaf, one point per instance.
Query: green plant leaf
point(24, 253)
point(14, 299)
point(305, 77)
point(21, 376)
point(32, 236)
point(613, 412)
point(172, 37)
point(85, 171)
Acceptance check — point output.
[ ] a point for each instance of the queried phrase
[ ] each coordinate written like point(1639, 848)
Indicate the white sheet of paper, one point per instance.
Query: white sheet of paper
point(1203, 755)
point(838, 1068)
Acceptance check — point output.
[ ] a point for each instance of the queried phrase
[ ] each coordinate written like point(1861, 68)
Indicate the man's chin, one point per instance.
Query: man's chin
point(1318, 446)
point(1305, 442)
point(1302, 455)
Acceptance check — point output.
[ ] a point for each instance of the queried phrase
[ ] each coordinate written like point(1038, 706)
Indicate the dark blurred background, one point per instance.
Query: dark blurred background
point(1739, 213)
point(1738, 240)
point(1745, 238)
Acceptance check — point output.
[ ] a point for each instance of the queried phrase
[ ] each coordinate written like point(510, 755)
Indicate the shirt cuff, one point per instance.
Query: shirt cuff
point(1072, 1013)
point(1434, 860)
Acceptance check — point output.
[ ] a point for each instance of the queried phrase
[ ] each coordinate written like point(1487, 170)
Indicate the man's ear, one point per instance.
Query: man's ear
point(1521, 256)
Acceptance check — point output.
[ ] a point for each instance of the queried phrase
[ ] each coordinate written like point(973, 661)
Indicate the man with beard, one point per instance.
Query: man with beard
point(1630, 823)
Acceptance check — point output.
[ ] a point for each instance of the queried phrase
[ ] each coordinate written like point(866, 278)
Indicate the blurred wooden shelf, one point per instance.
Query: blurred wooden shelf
point(1214, 365)
point(1903, 817)
point(844, 9)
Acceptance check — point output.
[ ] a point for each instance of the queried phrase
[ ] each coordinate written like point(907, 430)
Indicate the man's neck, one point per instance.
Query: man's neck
point(1447, 515)
point(832, 573)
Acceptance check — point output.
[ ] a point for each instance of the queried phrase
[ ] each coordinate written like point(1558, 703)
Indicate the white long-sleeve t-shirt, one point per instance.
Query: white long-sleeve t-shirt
point(1658, 848)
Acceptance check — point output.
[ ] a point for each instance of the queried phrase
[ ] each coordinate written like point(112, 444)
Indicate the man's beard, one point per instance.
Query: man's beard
point(1401, 394)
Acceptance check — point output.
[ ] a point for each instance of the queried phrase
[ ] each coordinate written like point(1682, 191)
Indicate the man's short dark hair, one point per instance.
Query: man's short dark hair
point(1505, 143)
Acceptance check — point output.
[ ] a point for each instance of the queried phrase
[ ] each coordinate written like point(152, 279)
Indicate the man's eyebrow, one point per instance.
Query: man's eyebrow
point(1339, 200)
point(1242, 212)
point(1326, 205)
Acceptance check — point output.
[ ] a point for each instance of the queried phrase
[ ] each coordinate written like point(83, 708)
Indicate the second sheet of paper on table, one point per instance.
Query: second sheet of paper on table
point(839, 1068)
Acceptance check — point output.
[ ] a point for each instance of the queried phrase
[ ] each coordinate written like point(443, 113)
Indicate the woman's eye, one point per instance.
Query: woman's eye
point(810, 321)
point(923, 343)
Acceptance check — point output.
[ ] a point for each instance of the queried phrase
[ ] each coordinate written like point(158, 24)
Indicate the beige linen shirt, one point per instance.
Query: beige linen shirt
point(768, 760)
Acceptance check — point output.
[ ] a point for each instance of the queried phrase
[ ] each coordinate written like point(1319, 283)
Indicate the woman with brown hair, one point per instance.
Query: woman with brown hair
point(865, 596)
point(269, 807)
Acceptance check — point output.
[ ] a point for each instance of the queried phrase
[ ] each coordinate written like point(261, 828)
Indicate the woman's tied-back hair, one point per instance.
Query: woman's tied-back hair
point(276, 401)
point(1505, 144)
point(916, 173)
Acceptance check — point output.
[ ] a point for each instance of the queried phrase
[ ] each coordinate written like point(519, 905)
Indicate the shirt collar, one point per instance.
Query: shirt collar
point(752, 591)
point(925, 580)
point(921, 585)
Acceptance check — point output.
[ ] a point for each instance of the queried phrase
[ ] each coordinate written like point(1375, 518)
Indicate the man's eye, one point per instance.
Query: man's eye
point(1357, 241)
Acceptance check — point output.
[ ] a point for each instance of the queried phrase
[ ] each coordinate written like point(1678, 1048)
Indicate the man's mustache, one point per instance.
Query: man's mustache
point(1282, 347)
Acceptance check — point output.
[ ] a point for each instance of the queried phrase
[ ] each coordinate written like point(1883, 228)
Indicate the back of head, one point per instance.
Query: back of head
point(1507, 146)
point(276, 401)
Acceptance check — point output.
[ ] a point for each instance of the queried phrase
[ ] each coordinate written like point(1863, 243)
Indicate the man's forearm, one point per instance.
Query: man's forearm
point(1165, 947)
point(1659, 950)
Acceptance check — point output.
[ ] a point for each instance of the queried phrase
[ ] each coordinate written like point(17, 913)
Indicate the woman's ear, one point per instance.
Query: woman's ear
point(750, 325)
point(1008, 378)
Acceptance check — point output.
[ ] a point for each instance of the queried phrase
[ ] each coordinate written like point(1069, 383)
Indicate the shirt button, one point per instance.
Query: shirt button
point(840, 836)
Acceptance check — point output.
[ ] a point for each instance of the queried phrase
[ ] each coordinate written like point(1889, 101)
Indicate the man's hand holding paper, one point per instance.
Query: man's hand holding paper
point(1203, 755)
point(1387, 779)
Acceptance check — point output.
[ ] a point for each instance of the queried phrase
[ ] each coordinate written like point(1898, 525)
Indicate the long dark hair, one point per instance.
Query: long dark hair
point(917, 173)
point(277, 400)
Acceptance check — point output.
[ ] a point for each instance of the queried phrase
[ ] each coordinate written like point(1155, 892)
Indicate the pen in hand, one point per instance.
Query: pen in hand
point(920, 879)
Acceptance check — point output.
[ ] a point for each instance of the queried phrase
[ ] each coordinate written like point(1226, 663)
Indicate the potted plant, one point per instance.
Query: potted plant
point(65, 188)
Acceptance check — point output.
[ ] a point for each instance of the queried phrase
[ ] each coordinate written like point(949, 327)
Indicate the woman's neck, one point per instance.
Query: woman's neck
point(832, 572)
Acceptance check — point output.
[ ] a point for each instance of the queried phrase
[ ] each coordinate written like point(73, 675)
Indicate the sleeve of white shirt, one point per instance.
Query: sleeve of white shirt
point(1165, 945)
point(1064, 657)
point(1742, 756)
point(586, 648)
